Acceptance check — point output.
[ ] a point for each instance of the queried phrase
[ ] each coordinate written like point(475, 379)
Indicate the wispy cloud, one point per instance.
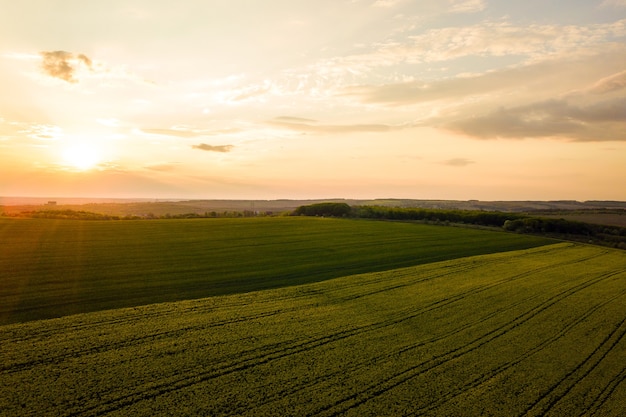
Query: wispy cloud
point(486, 39)
point(251, 93)
point(613, 3)
point(165, 167)
point(63, 65)
point(449, 6)
point(610, 84)
point(291, 119)
point(467, 6)
point(308, 125)
point(385, 3)
point(458, 162)
point(182, 133)
point(213, 148)
point(189, 132)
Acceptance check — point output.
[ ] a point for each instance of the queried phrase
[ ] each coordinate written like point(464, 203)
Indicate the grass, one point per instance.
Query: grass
point(51, 268)
point(535, 332)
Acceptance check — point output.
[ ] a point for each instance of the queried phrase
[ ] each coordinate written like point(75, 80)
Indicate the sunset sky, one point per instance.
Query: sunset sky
point(250, 99)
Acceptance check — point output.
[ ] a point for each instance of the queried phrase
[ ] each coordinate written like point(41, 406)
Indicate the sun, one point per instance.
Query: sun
point(81, 157)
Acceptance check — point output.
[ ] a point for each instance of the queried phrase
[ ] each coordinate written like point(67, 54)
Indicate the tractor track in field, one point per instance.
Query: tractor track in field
point(372, 391)
point(357, 345)
point(267, 354)
point(164, 313)
point(605, 394)
point(558, 391)
point(16, 367)
point(524, 356)
point(372, 361)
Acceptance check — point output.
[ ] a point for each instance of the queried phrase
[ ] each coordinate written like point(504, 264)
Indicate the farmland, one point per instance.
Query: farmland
point(537, 331)
point(51, 268)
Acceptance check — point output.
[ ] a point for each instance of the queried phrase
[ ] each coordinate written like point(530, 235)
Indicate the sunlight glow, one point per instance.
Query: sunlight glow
point(81, 157)
point(429, 99)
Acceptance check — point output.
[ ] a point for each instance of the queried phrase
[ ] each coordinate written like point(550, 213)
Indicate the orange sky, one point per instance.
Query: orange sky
point(456, 99)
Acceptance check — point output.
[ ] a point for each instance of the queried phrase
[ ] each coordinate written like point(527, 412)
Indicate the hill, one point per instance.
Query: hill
point(56, 267)
point(144, 207)
point(538, 332)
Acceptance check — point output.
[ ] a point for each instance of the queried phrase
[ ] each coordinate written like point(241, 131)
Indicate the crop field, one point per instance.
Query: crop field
point(533, 332)
point(610, 219)
point(51, 268)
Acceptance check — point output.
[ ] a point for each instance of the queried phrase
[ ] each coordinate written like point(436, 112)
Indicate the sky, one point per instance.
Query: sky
point(299, 99)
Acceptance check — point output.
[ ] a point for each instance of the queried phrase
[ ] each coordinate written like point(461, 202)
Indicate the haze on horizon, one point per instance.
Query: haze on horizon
point(430, 99)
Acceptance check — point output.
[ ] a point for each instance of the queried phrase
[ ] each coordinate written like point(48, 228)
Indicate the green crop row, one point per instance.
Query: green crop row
point(538, 332)
point(50, 268)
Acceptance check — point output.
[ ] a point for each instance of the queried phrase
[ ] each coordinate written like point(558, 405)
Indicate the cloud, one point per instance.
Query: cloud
point(610, 84)
point(385, 3)
point(212, 148)
point(613, 3)
point(162, 167)
point(466, 102)
point(503, 38)
point(251, 93)
point(466, 6)
point(450, 6)
point(187, 132)
point(308, 125)
point(63, 65)
point(171, 132)
point(289, 119)
point(84, 59)
point(602, 121)
point(531, 77)
point(486, 39)
point(458, 162)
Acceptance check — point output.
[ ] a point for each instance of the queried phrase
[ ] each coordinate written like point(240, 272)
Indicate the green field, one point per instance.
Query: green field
point(532, 332)
point(51, 268)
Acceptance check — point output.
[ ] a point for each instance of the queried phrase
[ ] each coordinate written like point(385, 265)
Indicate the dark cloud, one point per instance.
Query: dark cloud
point(602, 121)
point(458, 162)
point(62, 64)
point(308, 125)
point(212, 148)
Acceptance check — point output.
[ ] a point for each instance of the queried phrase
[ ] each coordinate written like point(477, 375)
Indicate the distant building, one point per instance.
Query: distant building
point(52, 203)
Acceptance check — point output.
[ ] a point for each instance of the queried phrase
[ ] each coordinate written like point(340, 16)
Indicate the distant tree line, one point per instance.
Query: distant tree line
point(325, 210)
point(614, 236)
point(62, 214)
point(568, 229)
point(476, 217)
point(87, 215)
